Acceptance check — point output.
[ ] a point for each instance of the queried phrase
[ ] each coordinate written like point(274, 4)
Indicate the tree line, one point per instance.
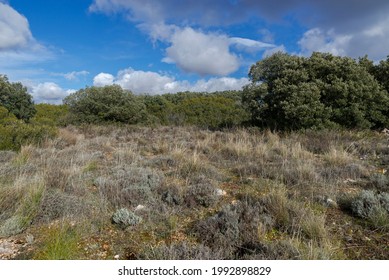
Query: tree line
point(286, 92)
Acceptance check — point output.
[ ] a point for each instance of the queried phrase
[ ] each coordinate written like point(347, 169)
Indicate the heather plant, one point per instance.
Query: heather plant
point(201, 194)
point(129, 186)
point(372, 207)
point(180, 251)
point(125, 218)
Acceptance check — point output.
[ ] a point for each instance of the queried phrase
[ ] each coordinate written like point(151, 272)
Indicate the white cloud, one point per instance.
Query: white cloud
point(18, 48)
point(249, 45)
point(103, 79)
point(219, 84)
point(155, 83)
point(49, 93)
point(191, 50)
point(317, 40)
point(144, 82)
point(14, 29)
point(204, 54)
point(73, 76)
point(349, 27)
point(271, 51)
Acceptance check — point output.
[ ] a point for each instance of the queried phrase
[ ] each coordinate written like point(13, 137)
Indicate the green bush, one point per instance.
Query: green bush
point(15, 98)
point(158, 108)
point(289, 92)
point(49, 114)
point(109, 104)
point(17, 133)
point(211, 111)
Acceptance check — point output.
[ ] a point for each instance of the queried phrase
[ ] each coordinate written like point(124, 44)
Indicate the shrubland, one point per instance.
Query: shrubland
point(294, 166)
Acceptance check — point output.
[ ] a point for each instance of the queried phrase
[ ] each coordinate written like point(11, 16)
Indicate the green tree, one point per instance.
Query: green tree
point(159, 109)
point(15, 98)
point(105, 104)
point(289, 92)
point(381, 73)
point(354, 96)
point(211, 111)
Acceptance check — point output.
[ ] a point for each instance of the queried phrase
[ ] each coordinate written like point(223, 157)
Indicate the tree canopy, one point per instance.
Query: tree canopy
point(15, 98)
point(289, 92)
point(105, 104)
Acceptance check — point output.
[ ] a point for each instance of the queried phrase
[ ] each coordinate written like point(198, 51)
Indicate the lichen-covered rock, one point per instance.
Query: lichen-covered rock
point(125, 218)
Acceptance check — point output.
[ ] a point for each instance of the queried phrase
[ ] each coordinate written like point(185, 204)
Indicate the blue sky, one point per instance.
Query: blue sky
point(55, 47)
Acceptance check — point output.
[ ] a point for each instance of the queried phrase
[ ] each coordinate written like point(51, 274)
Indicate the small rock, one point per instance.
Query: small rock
point(220, 192)
point(139, 207)
point(116, 257)
point(330, 203)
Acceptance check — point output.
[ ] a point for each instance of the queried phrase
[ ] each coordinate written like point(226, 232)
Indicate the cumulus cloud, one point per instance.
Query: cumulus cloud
point(205, 54)
point(155, 83)
point(103, 79)
point(318, 40)
point(18, 48)
point(192, 50)
point(14, 29)
point(49, 93)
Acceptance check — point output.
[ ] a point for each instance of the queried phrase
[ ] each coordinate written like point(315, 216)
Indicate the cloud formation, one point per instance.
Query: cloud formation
point(204, 54)
point(18, 47)
point(192, 50)
point(103, 79)
point(154, 83)
point(49, 93)
point(14, 29)
point(349, 27)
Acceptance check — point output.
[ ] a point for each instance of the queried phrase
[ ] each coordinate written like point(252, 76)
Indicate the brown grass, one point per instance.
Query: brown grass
point(87, 173)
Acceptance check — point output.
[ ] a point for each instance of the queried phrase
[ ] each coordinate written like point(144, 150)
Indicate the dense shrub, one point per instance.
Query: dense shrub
point(289, 92)
point(109, 104)
point(15, 134)
point(367, 203)
point(211, 111)
point(13, 137)
point(49, 114)
point(15, 98)
point(159, 109)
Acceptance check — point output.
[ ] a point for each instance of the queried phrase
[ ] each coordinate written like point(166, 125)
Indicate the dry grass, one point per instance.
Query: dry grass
point(259, 193)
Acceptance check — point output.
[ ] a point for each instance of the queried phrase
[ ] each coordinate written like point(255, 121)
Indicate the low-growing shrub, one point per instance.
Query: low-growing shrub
point(125, 218)
point(129, 186)
point(180, 251)
point(16, 134)
point(201, 194)
point(374, 207)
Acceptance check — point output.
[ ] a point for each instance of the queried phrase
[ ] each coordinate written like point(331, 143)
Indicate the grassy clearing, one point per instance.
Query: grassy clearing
point(199, 194)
